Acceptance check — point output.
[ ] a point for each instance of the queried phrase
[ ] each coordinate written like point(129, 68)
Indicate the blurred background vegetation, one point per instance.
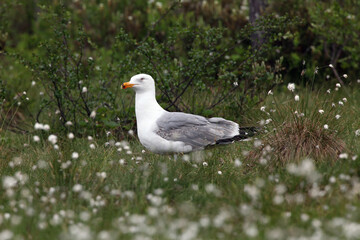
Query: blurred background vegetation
point(62, 62)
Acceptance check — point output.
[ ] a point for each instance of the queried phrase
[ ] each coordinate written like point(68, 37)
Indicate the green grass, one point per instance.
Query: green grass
point(111, 194)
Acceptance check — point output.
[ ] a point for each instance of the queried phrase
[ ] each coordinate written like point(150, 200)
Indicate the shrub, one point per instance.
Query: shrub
point(192, 63)
point(198, 69)
point(66, 74)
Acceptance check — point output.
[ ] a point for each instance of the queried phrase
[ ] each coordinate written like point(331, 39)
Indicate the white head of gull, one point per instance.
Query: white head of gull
point(161, 131)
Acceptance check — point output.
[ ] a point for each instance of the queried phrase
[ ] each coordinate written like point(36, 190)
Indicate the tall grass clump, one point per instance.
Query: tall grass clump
point(304, 124)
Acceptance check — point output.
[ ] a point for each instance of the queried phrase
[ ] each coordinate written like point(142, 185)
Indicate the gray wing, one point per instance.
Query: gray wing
point(195, 130)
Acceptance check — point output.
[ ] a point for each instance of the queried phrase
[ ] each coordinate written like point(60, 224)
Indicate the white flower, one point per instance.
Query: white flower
point(38, 126)
point(267, 121)
point(328, 91)
point(305, 168)
point(326, 126)
point(257, 143)
point(278, 199)
point(332, 179)
point(316, 70)
point(252, 191)
point(77, 188)
point(70, 135)
point(345, 75)
point(251, 230)
point(6, 235)
point(237, 162)
point(65, 165)
point(52, 138)
point(344, 99)
point(84, 90)
point(236, 84)
point(337, 116)
point(331, 66)
point(36, 138)
point(297, 98)
point(68, 123)
point(74, 155)
point(33, 83)
point(262, 108)
point(270, 92)
point(357, 133)
point(93, 114)
point(90, 58)
point(205, 164)
point(158, 4)
point(350, 17)
point(90, 138)
point(219, 172)
point(102, 175)
point(341, 103)
point(321, 111)
point(304, 217)
point(9, 182)
point(291, 87)
point(343, 156)
point(338, 85)
point(92, 146)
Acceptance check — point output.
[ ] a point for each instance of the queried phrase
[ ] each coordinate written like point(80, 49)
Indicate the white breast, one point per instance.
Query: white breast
point(148, 112)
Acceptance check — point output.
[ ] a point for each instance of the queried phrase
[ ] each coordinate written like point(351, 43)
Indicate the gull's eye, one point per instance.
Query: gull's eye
point(142, 79)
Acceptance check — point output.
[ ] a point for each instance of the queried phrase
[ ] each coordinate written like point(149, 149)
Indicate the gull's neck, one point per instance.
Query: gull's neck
point(146, 106)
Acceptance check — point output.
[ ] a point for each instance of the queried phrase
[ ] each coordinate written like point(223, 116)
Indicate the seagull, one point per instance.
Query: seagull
point(163, 132)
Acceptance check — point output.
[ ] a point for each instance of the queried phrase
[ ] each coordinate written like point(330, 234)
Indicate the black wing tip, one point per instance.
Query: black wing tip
point(244, 133)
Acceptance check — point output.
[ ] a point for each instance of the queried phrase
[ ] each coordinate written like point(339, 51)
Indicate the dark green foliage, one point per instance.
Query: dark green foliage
point(338, 26)
point(198, 68)
point(200, 55)
point(200, 61)
point(328, 34)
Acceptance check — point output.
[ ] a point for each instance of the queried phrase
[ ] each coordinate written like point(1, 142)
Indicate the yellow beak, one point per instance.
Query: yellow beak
point(127, 85)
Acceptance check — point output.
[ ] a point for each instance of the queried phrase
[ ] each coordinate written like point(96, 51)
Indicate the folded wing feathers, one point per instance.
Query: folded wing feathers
point(198, 131)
